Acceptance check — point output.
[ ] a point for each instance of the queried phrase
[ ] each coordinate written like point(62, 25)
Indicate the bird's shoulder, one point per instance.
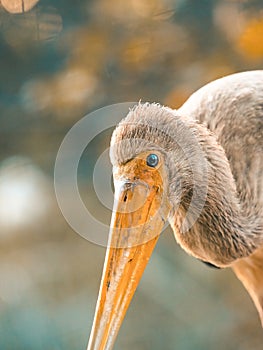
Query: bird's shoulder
point(232, 108)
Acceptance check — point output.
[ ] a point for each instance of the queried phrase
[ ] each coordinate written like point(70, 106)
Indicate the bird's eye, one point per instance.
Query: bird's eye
point(152, 160)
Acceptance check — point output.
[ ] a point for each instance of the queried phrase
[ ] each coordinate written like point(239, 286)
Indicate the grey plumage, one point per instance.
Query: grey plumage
point(213, 151)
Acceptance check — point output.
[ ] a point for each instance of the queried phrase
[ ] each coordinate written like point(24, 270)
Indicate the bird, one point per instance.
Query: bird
point(199, 168)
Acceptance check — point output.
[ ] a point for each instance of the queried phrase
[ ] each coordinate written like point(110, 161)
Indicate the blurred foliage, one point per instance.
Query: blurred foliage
point(59, 60)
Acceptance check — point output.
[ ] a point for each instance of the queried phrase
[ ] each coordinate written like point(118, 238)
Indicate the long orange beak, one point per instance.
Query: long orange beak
point(139, 214)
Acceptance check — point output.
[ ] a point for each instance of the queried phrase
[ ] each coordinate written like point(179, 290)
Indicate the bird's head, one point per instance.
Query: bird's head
point(154, 154)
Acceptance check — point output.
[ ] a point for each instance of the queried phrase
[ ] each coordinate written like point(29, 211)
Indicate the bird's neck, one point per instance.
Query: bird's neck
point(224, 230)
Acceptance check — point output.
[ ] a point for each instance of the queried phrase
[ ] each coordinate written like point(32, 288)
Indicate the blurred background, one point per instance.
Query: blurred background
point(60, 60)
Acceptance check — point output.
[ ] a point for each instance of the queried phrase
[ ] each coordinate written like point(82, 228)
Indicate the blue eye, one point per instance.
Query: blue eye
point(152, 160)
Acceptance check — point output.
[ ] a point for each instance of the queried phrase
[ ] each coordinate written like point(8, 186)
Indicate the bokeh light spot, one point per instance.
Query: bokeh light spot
point(18, 6)
point(23, 193)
